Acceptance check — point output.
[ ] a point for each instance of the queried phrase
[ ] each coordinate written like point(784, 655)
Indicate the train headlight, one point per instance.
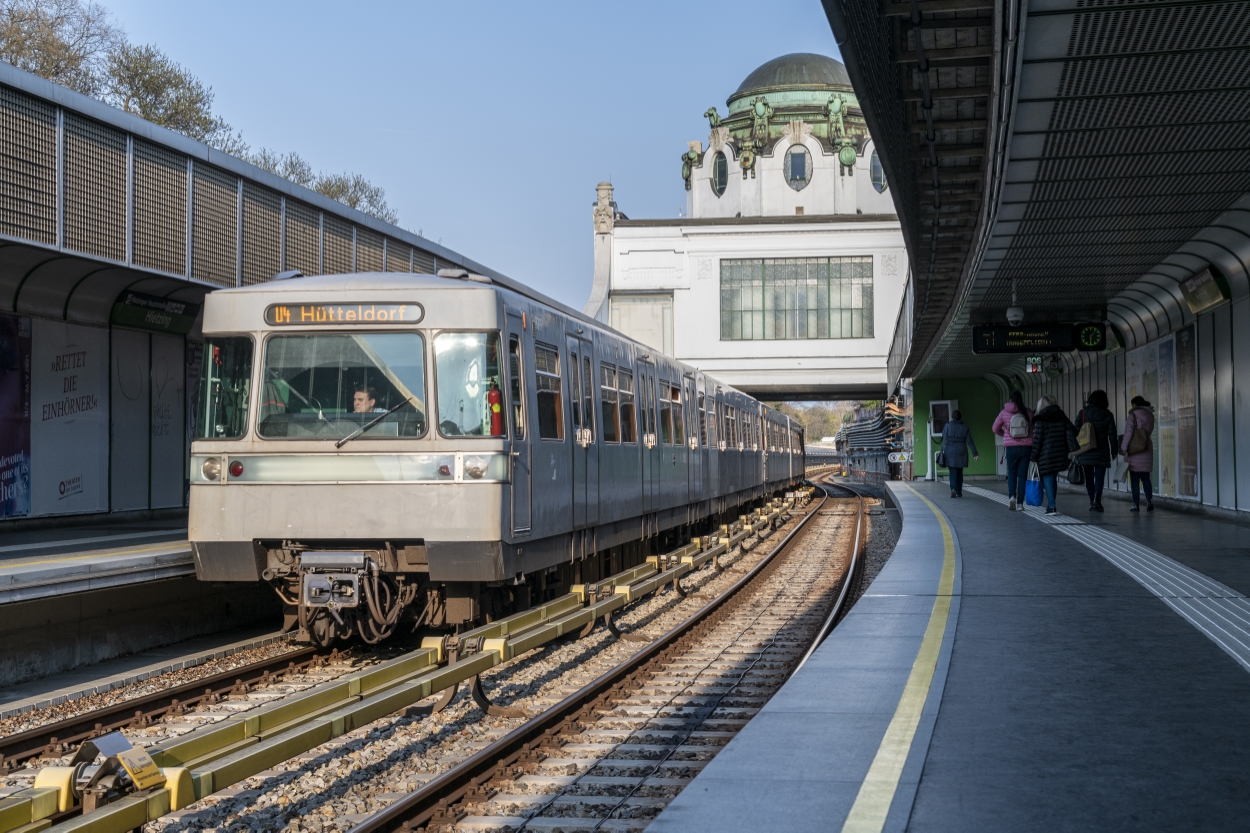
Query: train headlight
point(211, 468)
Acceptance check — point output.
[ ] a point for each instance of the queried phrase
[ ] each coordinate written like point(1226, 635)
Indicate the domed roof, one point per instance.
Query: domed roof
point(802, 69)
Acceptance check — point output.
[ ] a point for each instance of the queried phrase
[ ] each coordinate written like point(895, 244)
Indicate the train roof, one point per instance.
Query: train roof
point(411, 280)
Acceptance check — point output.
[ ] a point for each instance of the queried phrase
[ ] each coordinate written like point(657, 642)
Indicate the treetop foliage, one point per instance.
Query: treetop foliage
point(75, 43)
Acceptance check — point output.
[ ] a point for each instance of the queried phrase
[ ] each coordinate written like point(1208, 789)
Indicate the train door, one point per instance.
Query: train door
point(651, 449)
point(694, 471)
point(582, 390)
point(520, 474)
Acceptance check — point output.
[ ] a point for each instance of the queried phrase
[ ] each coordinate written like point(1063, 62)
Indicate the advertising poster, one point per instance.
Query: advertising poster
point(1186, 413)
point(1165, 414)
point(14, 416)
point(69, 421)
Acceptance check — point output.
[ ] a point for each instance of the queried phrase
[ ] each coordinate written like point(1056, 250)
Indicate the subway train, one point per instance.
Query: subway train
point(443, 449)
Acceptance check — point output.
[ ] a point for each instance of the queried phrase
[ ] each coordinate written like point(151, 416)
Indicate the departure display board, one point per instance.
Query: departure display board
point(303, 315)
point(1057, 338)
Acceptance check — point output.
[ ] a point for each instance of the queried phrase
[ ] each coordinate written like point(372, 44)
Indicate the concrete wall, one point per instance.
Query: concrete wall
point(58, 633)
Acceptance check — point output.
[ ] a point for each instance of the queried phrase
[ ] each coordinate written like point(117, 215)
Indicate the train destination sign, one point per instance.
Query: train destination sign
point(1056, 338)
point(297, 315)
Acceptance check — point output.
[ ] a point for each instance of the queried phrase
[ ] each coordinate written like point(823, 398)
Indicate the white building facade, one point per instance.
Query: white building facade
point(786, 276)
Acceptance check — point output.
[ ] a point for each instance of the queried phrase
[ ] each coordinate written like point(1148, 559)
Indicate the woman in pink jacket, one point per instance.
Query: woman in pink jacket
point(1015, 426)
point(1140, 454)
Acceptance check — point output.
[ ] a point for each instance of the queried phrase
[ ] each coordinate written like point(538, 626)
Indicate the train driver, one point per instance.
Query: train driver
point(365, 401)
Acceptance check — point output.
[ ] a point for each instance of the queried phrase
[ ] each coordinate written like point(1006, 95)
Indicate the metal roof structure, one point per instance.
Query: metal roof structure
point(1092, 153)
point(97, 202)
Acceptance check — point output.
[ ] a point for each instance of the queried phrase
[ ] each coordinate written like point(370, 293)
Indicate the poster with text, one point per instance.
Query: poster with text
point(1165, 415)
point(69, 422)
point(14, 416)
point(1186, 413)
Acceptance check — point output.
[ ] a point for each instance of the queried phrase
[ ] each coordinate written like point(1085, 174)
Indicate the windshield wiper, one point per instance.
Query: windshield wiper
point(362, 429)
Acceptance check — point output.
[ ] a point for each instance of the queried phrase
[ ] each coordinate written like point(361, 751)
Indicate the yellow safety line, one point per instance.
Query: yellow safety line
point(5, 565)
point(876, 794)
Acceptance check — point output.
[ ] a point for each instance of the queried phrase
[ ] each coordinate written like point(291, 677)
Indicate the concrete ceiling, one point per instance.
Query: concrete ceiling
point(1093, 153)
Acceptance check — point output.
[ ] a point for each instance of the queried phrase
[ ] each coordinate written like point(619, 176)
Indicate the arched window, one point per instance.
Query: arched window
point(798, 167)
point(878, 173)
point(720, 173)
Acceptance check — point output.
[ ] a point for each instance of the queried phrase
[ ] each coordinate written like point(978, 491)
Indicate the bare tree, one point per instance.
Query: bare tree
point(66, 41)
point(353, 190)
point(145, 81)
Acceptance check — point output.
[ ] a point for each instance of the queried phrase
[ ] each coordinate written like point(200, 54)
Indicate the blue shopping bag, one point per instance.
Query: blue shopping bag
point(1033, 487)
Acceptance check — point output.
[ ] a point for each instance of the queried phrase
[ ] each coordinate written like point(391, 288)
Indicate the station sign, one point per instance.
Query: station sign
point(1033, 364)
point(1046, 338)
point(305, 315)
point(152, 312)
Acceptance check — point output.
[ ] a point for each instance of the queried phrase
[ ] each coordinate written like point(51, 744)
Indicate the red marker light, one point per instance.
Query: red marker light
point(236, 468)
point(445, 471)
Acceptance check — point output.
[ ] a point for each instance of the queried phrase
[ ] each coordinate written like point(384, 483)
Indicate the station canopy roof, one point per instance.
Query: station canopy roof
point(1093, 155)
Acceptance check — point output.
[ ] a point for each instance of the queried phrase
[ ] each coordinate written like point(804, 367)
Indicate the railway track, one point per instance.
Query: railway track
point(53, 739)
point(613, 754)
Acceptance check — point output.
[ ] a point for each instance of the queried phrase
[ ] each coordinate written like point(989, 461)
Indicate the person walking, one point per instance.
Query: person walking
point(1139, 450)
point(1015, 425)
point(956, 440)
point(1054, 438)
point(1097, 460)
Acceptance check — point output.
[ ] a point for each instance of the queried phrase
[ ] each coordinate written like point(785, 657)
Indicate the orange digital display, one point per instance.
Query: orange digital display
point(304, 315)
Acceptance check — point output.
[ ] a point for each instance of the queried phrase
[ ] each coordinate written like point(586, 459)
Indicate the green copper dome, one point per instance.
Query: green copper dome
point(800, 79)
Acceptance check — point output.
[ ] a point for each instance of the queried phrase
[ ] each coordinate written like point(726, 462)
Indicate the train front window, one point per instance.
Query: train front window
point(470, 398)
point(225, 381)
point(327, 386)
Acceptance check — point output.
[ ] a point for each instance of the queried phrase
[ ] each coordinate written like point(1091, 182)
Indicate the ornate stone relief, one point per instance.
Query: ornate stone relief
point(704, 268)
point(605, 209)
point(889, 265)
point(796, 131)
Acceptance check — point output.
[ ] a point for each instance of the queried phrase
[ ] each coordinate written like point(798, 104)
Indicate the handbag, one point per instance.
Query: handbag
point(1086, 438)
point(1139, 442)
point(941, 460)
point(1121, 470)
point(1033, 487)
point(1076, 474)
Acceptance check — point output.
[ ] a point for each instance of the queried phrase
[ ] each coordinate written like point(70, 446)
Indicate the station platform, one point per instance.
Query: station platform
point(1011, 671)
point(36, 564)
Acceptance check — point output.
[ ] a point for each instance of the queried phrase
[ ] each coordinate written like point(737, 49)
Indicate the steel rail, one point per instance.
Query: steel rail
point(420, 806)
point(856, 559)
point(53, 740)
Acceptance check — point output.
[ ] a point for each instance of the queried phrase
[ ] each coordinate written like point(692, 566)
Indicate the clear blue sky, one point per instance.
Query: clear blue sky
point(488, 124)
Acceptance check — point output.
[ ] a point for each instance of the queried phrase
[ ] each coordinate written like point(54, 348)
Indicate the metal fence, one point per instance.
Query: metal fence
point(87, 179)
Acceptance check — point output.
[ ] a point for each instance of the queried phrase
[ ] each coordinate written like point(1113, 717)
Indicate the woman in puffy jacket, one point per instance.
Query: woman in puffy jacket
point(1054, 438)
point(1015, 426)
point(1140, 423)
point(1097, 460)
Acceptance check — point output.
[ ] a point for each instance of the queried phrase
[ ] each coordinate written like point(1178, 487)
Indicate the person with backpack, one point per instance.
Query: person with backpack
point(1054, 438)
point(1015, 425)
point(1095, 456)
point(1139, 450)
point(956, 440)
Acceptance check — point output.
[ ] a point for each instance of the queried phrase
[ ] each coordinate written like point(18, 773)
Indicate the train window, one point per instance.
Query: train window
point(607, 387)
point(469, 398)
point(625, 386)
point(702, 420)
point(666, 414)
point(225, 382)
point(575, 396)
point(514, 387)
point(329, 386)
point(588, 392)
point(650, 407)
point(679, 417)
point(550, 406)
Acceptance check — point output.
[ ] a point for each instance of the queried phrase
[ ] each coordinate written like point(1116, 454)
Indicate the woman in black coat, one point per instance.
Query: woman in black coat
point(1097, 460)
point(1054, 438)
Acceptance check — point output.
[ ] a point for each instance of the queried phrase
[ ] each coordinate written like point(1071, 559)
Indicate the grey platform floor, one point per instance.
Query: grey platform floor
point(49, 562)
point(1068, 695)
